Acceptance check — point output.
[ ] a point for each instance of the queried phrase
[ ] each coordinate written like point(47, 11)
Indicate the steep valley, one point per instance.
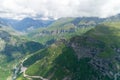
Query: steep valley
point(59, 39)
point(92, 56)
point(68, 49)
point(12, 49)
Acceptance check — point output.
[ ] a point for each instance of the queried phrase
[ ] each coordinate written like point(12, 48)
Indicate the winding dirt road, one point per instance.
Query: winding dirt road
point(116, 76)
point(23, 69)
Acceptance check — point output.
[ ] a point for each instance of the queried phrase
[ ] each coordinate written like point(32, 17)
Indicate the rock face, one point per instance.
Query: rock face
point(88, 47)
point(95, 55)
point(5, 35)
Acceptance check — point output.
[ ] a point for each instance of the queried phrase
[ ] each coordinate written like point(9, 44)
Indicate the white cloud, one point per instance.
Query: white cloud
point(58, 8)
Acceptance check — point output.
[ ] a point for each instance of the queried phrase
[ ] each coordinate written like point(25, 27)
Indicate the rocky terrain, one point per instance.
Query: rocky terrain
point(71, 49)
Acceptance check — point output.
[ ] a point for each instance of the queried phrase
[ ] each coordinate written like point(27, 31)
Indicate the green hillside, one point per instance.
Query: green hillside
point(108, 33)
point(59, 62)
point(63, 28)
point(13, 47)
point(16, 45)
point(91, 56)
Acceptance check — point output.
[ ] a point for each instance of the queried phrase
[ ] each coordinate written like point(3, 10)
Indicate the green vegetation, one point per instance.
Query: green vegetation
point(85, 71)
point(63, 28)
point(57, 36)
point(108, 33)
point(13, 48)
point(21, 77)
point(59, 61)
point(61, 23)
point(15, 45)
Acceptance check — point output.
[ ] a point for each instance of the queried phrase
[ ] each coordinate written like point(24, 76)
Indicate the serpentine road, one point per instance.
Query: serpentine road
point(116, 75)
point(30, 77)
point(23, 69)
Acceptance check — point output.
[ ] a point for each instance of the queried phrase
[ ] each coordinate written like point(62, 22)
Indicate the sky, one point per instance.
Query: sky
point(18, 9)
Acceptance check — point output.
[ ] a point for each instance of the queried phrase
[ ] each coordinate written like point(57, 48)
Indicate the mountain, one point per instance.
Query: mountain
point(25, 24)
point(30, 24)
point(82, 48)
point(64, 28)
point(13, 48)
point(7, 22)
point(91, 56)
point(113, 18)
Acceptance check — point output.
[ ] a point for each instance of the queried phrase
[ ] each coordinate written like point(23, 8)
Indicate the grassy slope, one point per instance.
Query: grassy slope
point(5, 64)
point(60, 24)
point(13, 48)
point(109, 33)
point(59, 61)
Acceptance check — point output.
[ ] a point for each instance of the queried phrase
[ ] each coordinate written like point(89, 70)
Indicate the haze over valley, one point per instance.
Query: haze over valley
point(59, 40)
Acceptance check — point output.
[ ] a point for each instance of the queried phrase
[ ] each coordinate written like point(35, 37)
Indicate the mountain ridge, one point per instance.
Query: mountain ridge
point(95, 51)
point(76, 48)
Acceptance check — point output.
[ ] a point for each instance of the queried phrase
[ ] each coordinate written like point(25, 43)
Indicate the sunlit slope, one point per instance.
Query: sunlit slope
point(109, 34)
point(13, 47)
point(64, 28)
point(59, 62)
point(91, 56)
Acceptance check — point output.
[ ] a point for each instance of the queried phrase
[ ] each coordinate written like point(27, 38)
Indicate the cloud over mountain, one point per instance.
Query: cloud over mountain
point(58, 8)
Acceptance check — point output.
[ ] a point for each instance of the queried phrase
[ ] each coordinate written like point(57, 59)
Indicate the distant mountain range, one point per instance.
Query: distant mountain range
point(25, 24)
point(28, 24)
point(94, 55)
point(82, 48)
